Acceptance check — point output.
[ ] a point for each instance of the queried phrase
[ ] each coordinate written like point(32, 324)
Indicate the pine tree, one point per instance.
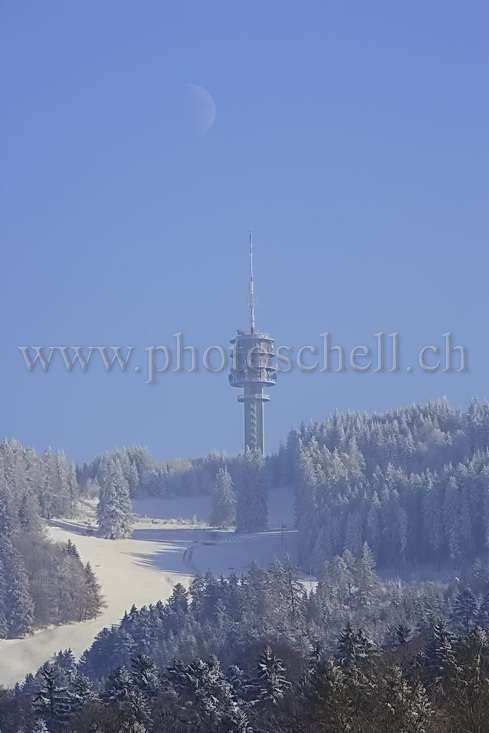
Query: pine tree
point(217, 707)
point(178, 601)
point(374, 528)
point(245, 688)
point(287, 591)
point(353, 648)
point(223, 512)
point(145, 675)
point(337, 577)
point(138, 708)
point(39, 727)
point(28, 514)
point(465, 610)
point(366, 577)
point(71, 550)
point(53, 699)
point(398, 704)
point(65, 665)
point(17, 601)
point(29, 686)
point(118, 685)
point(439, 655)
point(451, 518)
point(353, 533)
point(483, 615)
point(114, 508)
point(92, 601)
point(271, 676)
point(468, 685)
point(72, 490)
point(82, 692)
point(479, 578)
point(403, 635)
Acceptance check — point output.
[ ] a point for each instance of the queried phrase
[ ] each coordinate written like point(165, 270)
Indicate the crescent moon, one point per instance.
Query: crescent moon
point(201, 108)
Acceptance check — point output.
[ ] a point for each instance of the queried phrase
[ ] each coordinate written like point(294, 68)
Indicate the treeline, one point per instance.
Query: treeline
point(41, 582)
point(238, 488)
point(261, 654)
point(413, 484)
point(147, 477)
point(222, 616)
point(33, 486)
point(440, 685)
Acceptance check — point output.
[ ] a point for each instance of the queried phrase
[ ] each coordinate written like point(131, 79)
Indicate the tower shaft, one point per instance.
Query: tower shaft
point(254, 430)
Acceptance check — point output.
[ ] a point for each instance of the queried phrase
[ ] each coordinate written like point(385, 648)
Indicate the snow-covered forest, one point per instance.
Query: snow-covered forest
point(40, 582)
point(392, 520)
point(260, 654)
point(411, 483)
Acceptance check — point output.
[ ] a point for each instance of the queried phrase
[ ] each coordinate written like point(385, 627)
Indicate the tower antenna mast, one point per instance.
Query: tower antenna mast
point(251, 299)
point(252, 371)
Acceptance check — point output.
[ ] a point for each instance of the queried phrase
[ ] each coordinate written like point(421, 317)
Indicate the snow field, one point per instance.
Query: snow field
point(144, 569)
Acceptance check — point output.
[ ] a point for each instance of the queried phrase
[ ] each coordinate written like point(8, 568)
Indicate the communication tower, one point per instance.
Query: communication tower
point(252, 370)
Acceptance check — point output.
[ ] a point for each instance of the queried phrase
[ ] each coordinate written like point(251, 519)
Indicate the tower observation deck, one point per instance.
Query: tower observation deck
point(252, 370)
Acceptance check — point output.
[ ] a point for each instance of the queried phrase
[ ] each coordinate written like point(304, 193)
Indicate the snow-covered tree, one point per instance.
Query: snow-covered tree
point(271, 676)
point(114, 510)
point(39, 727)
point(465, 611)
point(251, 501)
point(53, 699)
point(223, 506)
point(16, 604)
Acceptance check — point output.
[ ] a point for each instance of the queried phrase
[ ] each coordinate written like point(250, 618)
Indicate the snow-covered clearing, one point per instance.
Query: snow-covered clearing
point(144, 569)
point(226, 552)
point(186, 507)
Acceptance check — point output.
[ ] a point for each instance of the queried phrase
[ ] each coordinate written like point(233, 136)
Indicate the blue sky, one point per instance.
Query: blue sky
point(351, 136)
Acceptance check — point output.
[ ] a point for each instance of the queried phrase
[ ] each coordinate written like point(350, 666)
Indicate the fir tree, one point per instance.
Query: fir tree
point(118, 685)
point(178, 601)
point(39, 727)
point(71, 550)
point(217, 707)
point(439, 655)
point(92, 601)
point(251, 506)
point(82, 692)
point(52, 700)
point(223, 512)
point(483, 615)
point(353, 647)
point(465, 610)
point(17, 601)
point(114, 508)
point(451, 518)
point(271, 676)
point(145, 674)
point(403, 635)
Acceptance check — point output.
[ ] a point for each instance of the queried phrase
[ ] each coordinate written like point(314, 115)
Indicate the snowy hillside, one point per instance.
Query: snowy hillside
point(144, 568)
